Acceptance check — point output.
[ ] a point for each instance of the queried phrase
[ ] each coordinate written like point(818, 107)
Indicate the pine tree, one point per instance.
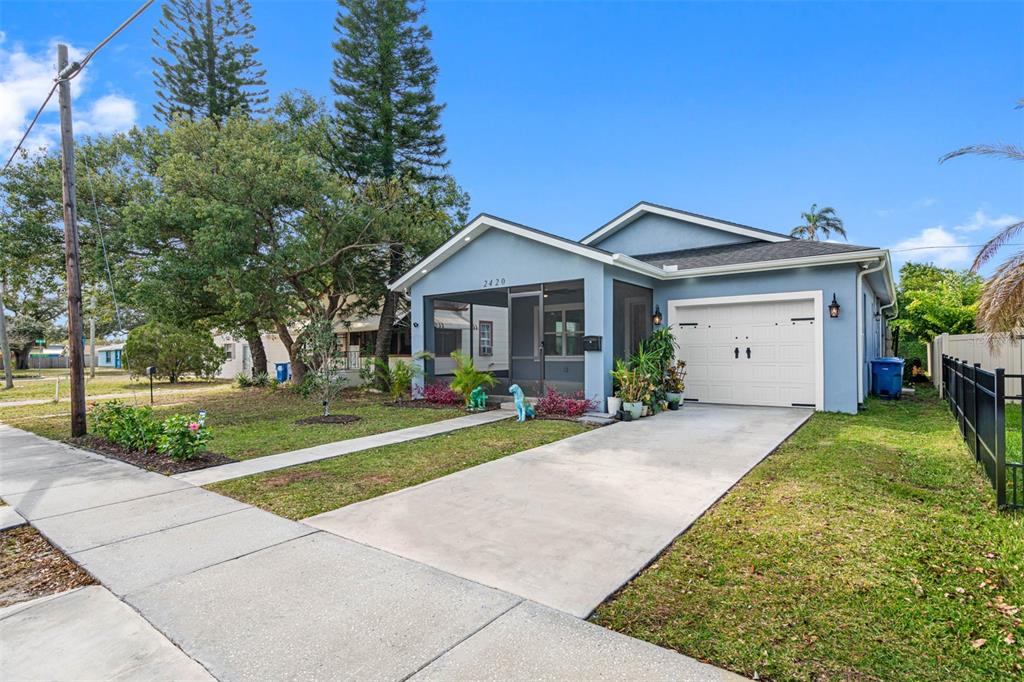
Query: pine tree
point(388, 127)
point(384, 76)
point(211, 70)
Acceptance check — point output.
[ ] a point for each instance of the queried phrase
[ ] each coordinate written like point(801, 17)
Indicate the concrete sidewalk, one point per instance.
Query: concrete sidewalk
point(257, 465)
point(568, 523)
point(87, 634)
point(252, 596)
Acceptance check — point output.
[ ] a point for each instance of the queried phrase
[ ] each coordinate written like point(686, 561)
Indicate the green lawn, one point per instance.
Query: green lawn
point(302, 491)
point(867, 547)
point(252, 422)
point(104, 383)
point(1013, 433)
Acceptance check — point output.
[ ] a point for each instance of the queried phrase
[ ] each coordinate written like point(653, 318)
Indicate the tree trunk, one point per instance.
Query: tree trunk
point(256, 349)
point(21, 357)
point(297, 365)
point(5, 349)
point(382, 349)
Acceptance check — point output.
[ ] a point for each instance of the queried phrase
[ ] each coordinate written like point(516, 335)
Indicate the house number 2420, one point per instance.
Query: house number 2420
point(496, 282)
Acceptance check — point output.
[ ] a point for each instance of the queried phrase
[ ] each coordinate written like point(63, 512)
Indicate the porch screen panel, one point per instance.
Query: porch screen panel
point(631, 312)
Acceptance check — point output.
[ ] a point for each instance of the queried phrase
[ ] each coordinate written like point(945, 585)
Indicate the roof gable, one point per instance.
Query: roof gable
point(732, 232)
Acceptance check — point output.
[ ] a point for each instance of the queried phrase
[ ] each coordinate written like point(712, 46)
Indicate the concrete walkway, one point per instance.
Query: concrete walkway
point(251, 596)
point(568, 523)
point(258, 465)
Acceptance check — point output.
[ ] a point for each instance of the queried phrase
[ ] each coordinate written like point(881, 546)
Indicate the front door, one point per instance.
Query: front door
point(527, 343)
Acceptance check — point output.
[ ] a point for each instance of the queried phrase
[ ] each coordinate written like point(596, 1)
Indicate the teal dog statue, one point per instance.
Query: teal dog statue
point(524, 410)
point(478, 399)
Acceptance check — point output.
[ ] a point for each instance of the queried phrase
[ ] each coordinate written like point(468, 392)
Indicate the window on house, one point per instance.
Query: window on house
point(563, 330)
point(230, 348)
point(486, 338)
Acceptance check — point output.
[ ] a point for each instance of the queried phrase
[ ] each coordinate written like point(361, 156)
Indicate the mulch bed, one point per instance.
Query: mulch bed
point(329, 419)
point(31, 567)
point(152, 461)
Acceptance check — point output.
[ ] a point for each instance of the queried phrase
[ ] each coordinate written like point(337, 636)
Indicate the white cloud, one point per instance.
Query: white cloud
point(108, 114)
point(951, 248)
point(936, 245)
point(26, 77)
point(982, 221)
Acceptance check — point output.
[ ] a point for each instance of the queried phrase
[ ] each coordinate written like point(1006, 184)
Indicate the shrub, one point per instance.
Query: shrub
point(555, 404)
point(174, 350)
point(322, 354)
point(136, 429)
point(258, 380)
point(182, 436)
point(468, 377)
point(440, 394)
point(133, 428)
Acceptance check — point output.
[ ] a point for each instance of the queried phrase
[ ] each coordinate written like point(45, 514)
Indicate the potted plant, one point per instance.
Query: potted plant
point(614, 404)
point(632, 388)
point(674, 385)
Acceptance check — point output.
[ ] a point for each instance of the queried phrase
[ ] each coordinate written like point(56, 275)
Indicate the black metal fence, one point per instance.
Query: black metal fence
point(977, 398)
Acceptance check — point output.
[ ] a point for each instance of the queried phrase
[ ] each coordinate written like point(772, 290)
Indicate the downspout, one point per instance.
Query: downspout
point(860, 326)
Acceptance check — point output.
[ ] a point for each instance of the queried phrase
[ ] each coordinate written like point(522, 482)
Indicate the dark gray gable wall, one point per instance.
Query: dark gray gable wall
point(652, 233)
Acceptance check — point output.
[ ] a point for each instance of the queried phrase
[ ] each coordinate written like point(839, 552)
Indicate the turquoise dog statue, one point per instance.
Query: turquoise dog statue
point(524, 410)
point(478, 399)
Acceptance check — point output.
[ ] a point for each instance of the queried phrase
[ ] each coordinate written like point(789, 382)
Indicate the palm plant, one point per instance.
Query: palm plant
point(819, 224)
point(467, 377)
point(1001, 306)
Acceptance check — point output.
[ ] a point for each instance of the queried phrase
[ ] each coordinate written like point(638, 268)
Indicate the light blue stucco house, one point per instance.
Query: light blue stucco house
point(749, 307)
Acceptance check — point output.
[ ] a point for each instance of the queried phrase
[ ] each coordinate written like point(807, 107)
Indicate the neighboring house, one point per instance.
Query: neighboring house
point(749, 307)
point(239, 360)
point(110, 355)
point(356, 337)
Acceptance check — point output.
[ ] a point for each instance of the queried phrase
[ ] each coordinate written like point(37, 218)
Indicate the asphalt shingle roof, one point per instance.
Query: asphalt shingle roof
point(747, 252)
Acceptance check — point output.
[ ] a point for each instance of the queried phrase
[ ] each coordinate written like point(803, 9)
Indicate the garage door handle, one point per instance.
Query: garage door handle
point(748, 353)
point(736, 351)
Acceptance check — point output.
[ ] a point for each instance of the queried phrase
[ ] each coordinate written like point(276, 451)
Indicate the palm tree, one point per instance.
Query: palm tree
point(1001, 306)
point(823, 223)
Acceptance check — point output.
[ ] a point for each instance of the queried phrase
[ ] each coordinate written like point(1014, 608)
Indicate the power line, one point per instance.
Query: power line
point(946, 246)
point(30, 126)
point(69, 72)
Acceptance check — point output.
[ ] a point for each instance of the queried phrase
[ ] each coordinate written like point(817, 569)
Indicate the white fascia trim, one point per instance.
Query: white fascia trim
point(484, 223)
point(813, 295)
point(635, 212)
point(781, 264)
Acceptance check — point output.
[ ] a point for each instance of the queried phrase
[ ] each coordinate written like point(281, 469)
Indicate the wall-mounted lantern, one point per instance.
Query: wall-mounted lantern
point(833, 307)
point(656, 317)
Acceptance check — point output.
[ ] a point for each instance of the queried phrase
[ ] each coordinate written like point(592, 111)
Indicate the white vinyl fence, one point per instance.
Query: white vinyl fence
point(1007, 353)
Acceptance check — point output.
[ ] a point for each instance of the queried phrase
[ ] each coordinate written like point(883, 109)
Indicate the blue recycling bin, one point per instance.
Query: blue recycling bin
point(282, 371)
point(887, 378)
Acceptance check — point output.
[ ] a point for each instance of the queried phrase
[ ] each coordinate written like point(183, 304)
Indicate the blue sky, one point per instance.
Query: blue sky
point(561, 115)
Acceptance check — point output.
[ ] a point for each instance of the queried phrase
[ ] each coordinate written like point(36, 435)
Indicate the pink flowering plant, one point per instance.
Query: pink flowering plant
point(183, 436)
point(555, 404)
point(439, 394)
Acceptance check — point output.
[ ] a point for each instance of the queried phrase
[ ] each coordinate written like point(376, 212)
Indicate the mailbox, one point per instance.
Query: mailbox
point(151, 371)
point(591, 343)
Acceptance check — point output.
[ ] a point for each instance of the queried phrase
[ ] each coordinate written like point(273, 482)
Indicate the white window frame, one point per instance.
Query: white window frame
point(563, 308)
point(485, 351)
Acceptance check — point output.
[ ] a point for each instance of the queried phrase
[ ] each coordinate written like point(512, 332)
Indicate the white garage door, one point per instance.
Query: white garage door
point(759, 353)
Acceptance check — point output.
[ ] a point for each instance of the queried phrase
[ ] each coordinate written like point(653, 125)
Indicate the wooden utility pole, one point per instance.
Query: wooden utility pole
point(5, 348)
point(74, 283)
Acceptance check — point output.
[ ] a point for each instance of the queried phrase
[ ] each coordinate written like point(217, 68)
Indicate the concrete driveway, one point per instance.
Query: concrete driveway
point(567, 524)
